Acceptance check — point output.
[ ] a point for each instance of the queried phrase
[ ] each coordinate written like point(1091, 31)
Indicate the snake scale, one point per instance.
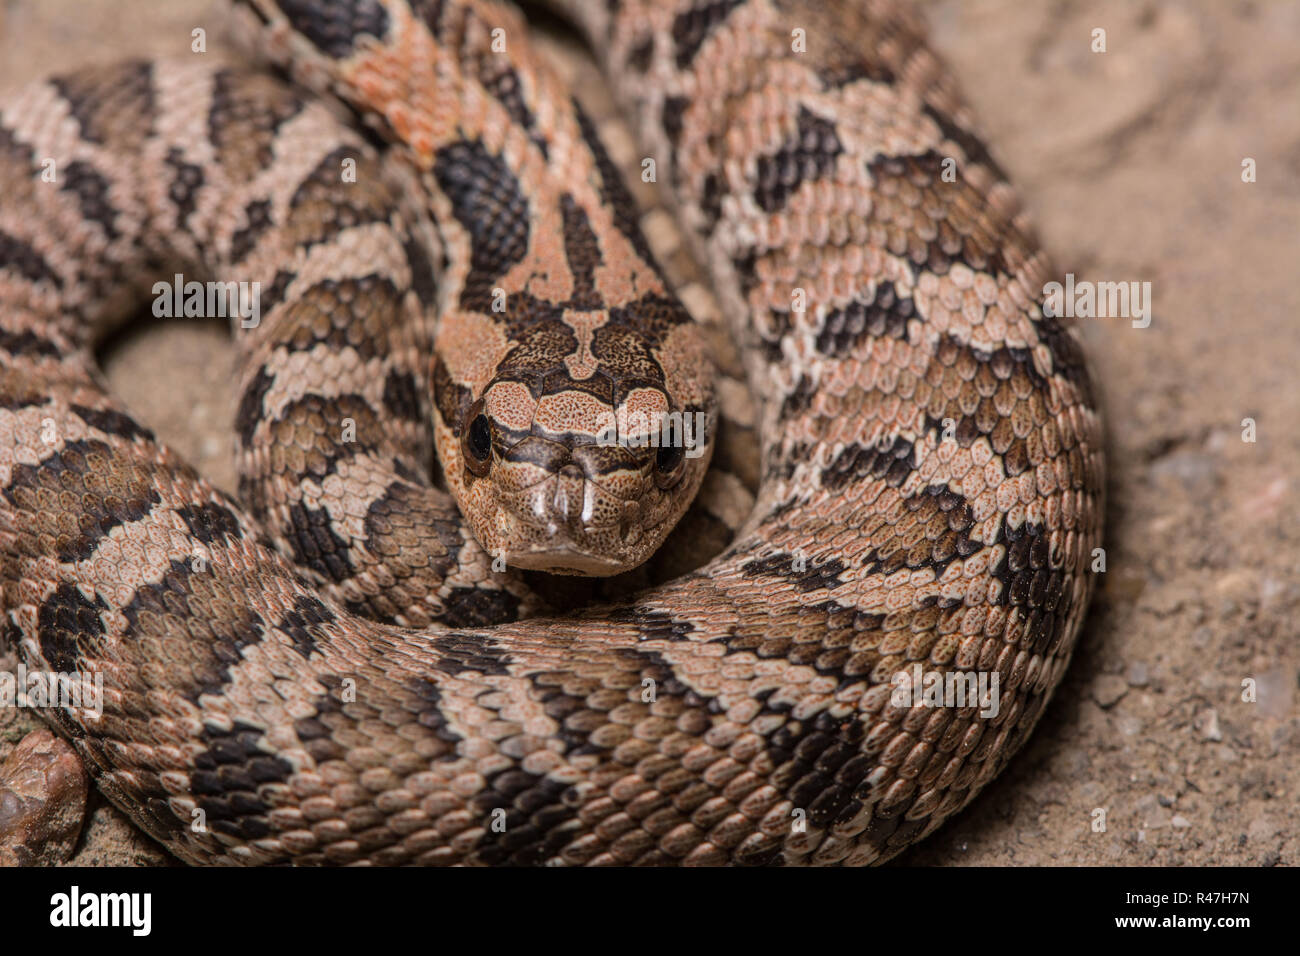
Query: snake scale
point(330, 670)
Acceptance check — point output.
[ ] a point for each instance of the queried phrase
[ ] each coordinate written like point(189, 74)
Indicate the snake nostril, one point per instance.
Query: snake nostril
point(568, 500)
point(668, 465)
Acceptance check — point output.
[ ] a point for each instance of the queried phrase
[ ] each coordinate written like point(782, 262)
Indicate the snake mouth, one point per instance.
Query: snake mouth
point(557, 559)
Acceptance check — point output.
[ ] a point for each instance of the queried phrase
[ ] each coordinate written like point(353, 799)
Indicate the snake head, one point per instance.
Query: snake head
point(578, 476)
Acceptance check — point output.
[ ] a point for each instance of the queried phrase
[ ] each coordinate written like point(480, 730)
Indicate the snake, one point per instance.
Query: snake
point(468, 374)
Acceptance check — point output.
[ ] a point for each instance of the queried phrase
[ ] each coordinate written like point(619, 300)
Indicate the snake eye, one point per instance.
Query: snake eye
point(668, 465)
point(476, 440)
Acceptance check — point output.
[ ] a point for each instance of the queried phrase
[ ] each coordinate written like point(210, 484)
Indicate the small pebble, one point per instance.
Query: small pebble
point(42, 801)
point(1108, 689)
point(1157, 819)
point(1210, 725)
point(1137, 674)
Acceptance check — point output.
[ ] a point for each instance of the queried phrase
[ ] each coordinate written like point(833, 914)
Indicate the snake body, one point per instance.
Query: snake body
point(332, 671)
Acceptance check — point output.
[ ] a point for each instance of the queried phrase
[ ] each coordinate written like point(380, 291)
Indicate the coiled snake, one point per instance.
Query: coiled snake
point(337, 670)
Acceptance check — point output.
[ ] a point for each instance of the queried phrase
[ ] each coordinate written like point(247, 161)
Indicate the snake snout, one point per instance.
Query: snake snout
point(571, 507)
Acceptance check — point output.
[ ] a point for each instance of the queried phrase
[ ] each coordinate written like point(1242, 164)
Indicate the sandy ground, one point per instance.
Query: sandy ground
point(1131, 163)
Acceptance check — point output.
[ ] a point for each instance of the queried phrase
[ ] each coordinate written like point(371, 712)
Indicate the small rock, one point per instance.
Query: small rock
point(1165, 801)
point(1197, 472)
point(1108, 689)
point(1261, 830)
point(1157, 819)
point(1131, 725)
point(1180, 822)
point(1210, 725)
point(1137, 674)
point(42, 801)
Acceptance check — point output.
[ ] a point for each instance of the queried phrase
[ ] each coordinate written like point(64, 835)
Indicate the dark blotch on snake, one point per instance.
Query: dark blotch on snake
point(335, 27)
point(459, 652)
point(692, 27)
point(112, 422)
point(258, 215)
point(210, 521)
point(91, 189)
point(68, 625)
point(302, 623)
point(228, 775)
point(933, 530)
point(809, 154)
point(885, 314)
point(479, 607)
point(487, 201)
point(108, 101)
point(803, 572)
point(250, 406)
point(111, 492)
point(890, 462)
point(315, 545)
point(401, 396)
point(27, 343)
point(172, 605)
point(17, 255)
point(187, 179)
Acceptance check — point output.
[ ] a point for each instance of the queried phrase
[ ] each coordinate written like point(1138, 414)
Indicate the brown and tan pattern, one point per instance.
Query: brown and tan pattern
point(332, 672)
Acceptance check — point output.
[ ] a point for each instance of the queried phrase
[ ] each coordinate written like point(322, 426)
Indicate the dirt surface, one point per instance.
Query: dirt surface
point(1130, 162)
